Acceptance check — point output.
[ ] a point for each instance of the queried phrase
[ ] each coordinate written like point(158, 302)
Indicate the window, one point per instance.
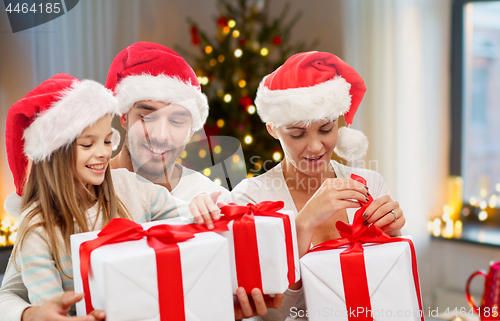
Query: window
point(475, 112)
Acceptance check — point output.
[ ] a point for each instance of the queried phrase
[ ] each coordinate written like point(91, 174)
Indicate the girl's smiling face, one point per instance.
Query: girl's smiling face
point(93, 152)
point(308, 148)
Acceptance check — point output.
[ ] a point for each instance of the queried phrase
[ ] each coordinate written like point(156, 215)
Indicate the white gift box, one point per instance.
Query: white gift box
point(271, 244)
point(393, 295)
point(124, 284)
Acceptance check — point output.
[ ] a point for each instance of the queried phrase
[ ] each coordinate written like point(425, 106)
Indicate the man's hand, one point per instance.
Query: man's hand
point(57, 310)
point(257, 306)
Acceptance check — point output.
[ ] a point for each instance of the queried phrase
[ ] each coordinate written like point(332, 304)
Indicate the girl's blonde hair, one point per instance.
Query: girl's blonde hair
point(51, 190)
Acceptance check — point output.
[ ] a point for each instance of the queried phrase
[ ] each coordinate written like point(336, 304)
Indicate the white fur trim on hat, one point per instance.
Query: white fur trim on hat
point(12, 204)
point(81, 106)
point(170, 90)
point(325, 101)
point(351, 144)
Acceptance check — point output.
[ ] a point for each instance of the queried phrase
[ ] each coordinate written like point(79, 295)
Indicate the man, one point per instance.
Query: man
point(162, 106)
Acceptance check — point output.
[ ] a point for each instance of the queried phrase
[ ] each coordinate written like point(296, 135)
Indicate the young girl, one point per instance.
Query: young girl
point(65, 128)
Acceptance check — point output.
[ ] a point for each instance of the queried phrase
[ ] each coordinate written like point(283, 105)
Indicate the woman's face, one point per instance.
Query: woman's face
point(93, 152)
point(308, 148)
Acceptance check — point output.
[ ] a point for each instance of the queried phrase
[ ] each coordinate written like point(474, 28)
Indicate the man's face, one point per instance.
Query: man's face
point(157, 134)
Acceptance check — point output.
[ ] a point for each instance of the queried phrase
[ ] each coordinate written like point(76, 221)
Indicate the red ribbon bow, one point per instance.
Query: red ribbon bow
point(163, 239)
point(352, 260)
point(245, 240)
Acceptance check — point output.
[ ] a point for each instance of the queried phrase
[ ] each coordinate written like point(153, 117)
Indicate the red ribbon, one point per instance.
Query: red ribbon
point(352, 259)
point(163, 239)
point(245, 241)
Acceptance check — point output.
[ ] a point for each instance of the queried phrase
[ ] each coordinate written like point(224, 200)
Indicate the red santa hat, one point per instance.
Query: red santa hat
point(150, 71)
point(313, 86)
point(48, 118)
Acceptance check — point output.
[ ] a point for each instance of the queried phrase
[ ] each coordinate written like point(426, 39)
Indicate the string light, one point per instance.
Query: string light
point(236, 159)
point(184, 154)
point(482, 216)
point(236, 33)
point(276, 156)
point(213, 62)
point(226, 30)
point(220, 123)
point(208, 49)
point(231, 23)
point(179, 161)
point(217, 181)
point(249, 175)
point(202, 153)
point(482, 205)
point(217, 149)
point(472, 201)
point(220, 92)
point(207, 172)
point(264, 51)
point(242, 83)
point(483, 192)
point(251, 109)
point(493, 201)
point(238, 53)
point(227, 98)
point(497, 187)
point(221, 58)
point(203, 80)
point(248, 139)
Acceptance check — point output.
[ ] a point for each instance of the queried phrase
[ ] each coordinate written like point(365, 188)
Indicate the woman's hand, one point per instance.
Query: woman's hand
point(204, 209)
point(57, 310)
point(244, 308)
point(385, 213)
point(335, 194)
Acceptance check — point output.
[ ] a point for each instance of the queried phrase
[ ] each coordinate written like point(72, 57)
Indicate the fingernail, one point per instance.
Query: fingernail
point(365, 216)
point(368, 193)
point(367, 199)
point(365, 223)
point(366, 187)
point(240, 292)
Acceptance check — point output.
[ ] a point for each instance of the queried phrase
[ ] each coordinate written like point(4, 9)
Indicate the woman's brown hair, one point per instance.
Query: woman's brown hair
point(51, 192)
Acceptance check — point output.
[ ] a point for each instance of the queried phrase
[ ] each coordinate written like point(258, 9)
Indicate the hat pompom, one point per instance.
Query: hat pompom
point(115, 138)
point(351, 144)
point(13, 204)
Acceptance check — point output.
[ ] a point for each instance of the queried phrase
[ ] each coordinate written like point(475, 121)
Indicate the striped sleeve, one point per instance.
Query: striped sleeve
point(164, 205)
point(38, 268)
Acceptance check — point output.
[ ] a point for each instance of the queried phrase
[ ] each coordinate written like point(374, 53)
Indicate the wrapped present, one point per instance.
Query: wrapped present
point(262, 246)
point(153, 271)
point(365, 275)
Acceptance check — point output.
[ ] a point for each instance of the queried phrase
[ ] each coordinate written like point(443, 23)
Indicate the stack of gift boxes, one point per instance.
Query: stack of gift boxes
point(177, 271)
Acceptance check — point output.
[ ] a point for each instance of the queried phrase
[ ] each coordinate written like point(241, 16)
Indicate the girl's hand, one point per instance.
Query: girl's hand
point(385, 214)
point(335, 194)
point(204, 209)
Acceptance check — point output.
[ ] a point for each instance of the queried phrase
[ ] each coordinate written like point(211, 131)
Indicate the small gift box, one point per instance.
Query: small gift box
point(262, 246)
point(365, 275)
point(153, 271)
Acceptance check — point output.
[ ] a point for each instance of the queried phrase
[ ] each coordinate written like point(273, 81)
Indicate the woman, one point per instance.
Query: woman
point(301, 103)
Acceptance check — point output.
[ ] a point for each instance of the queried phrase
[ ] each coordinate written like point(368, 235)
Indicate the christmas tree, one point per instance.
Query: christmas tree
point(247, 45)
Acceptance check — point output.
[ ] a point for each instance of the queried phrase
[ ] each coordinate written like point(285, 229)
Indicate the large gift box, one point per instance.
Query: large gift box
point(167, 272)
point(364, 275)
point(262, 246)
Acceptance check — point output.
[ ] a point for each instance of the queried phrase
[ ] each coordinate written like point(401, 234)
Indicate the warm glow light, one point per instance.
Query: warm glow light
point(437, 222)
point(483, 192)
point(179, 160)
point(202, 153)
point(203, 80)
point(236, 158)
point(221, 58)
point(220, 92)
point(497, 187)
point(465, 211)
point(226, 30)
point(251, 109)
point(208, 49)
point(430, 226)
point(446, 209)
point(217, 149)
point(249, 175)
point(248, 139)
point(264, 51)
point(227, 98)
point(236, 33)
point(472, 201)
point(231, 23)
point(242, 83)
point(213, 62)
point(493, 201)
point(482, 215)
point(483, 205)
point(220, 123)
point(458, 229)
point(448, 232)
point(217, 181)
point(446, 217)
point(437, 231)
point(276, 156)
point(207, 172)
point(238, 53)
point(184, 154)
